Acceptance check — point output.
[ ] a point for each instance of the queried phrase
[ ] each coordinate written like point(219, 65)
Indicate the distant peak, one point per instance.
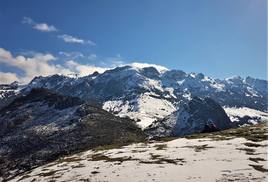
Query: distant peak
point(15, 83)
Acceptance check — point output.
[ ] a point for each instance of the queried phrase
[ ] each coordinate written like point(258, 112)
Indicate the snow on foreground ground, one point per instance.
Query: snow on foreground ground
point(232, 155)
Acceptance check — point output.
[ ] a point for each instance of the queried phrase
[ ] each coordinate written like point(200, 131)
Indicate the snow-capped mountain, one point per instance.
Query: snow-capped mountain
point(148, 93)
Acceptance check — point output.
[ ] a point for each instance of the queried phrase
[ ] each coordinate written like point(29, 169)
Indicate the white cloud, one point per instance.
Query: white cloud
point(72, 39)
point(43, 27)
point(83, 70)
point(40, 65)
point(6, 78)
point(144, 65)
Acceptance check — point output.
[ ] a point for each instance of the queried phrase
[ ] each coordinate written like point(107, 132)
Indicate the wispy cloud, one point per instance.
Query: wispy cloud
point(112, 61)
point(27, 20)
point(71, 55)
point(92, 57)
point(43, 27)
point(72, 39)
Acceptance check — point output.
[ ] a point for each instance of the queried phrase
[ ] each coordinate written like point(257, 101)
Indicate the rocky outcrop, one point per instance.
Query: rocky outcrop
point(194, 116)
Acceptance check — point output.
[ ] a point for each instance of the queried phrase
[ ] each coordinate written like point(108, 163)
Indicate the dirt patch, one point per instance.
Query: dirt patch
point(102, 157)
point(69, 159)
point(249, 151)
point(78, 166)
point(160, 146)
point(256, 159)
point(251, 144)
point(198, 148)
point(95, 172)
point(259, 168)
point(158, 159)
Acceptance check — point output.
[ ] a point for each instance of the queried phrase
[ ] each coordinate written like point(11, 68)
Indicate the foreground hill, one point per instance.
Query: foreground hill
point(232, 155)
point(42, 126)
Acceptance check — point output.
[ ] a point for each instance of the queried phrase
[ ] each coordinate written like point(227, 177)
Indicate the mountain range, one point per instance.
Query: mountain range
point(149, 93)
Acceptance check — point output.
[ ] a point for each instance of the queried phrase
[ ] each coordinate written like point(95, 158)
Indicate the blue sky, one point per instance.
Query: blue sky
point(218, 38)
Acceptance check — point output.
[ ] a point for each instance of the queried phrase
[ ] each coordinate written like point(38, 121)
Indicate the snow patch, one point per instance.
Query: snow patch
point(241, 112)
point(179, 160)
point(144, 109)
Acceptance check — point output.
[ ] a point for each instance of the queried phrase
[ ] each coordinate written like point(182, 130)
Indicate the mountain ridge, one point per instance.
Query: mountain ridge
point(147, 93)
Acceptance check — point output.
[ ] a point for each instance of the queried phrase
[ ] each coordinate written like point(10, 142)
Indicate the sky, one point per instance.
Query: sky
point(217, 38)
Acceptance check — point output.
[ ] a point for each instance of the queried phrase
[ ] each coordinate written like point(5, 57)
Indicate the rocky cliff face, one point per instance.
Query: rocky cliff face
point(194, 116)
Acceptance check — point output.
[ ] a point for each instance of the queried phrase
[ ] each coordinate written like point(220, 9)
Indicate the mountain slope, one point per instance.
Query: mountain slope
point(8, 92)
point(132, 90)
point(42, 126)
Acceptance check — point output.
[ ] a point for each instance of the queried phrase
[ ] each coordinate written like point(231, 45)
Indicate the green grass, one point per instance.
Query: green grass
point(255, 133)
